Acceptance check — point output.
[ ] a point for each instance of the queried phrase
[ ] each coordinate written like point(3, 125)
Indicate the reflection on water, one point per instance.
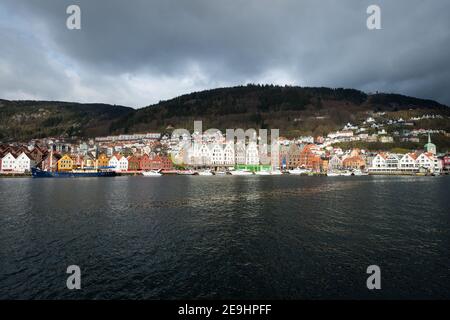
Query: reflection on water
point(225, 237)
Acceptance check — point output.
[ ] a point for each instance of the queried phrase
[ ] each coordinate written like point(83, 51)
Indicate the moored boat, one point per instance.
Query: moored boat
point(241, 172)
point(205, 173)
point(263, 173)
point(186, 172)
point(298, 171)
point(39, 173)
point(151, 173)
point(360, 173)
point(276, 173)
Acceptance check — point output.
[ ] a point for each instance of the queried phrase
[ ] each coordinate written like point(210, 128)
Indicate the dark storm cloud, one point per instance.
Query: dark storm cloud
point(137, 52)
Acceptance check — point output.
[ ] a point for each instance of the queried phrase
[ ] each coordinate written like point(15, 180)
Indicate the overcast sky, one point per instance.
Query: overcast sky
point(137, 52)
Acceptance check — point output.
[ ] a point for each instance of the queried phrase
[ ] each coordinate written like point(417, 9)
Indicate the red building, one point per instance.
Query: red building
point(166, 163)
point(446, 162)
point(155, 163)
point(134, 163)
point(310, 160)
point(145, 163)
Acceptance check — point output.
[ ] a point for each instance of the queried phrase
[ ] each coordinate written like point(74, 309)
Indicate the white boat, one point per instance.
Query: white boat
point(186, 172)
point(151, 173)
point(241, 172)
point(298, 171)
point(360, 173)
point(345, 173)
point(220, 173)
point(276, 173)
point(263, 173)
point(205, 173)
point(333, 174)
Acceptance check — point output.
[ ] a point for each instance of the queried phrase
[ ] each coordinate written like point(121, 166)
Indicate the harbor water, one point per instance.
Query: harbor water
point(214, 237)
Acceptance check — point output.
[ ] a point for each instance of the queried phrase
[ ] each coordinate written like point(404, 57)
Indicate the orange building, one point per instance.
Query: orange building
point(310, 160)
point(102, 160)
point(355, 162)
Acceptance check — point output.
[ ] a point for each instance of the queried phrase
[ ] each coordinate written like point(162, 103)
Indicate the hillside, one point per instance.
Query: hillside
point(22, 120)
point(294, 110)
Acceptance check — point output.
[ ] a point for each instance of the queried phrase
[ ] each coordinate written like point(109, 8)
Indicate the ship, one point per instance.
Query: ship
point(39, 173)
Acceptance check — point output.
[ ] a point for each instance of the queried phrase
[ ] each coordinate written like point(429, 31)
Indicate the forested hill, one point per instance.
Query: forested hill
point(22, 120)
point(293, 110)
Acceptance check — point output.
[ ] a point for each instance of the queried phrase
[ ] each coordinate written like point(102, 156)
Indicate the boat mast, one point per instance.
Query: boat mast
point(51, 159)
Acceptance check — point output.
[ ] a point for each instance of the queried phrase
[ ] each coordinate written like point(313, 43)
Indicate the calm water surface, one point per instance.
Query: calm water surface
point(280, 237)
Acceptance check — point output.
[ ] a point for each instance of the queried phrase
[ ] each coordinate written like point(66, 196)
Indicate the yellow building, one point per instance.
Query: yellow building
point(102, 160)
point(89, 162)
point(65, 163)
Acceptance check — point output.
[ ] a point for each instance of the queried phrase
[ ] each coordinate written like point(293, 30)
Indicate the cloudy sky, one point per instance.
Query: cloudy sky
point(137, 52)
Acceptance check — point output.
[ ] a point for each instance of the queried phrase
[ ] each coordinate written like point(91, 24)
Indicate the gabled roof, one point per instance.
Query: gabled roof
point(413, 155)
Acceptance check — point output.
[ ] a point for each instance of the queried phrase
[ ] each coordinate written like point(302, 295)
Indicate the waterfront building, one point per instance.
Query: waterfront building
point(23, 163)
point(228, 154)
point(294, 156)
point(78, 161)
point(392, 161)
point(446, 162)
point(102, 161)
point(252, 154)
point(8, 162)
point(429, 162)
point(430, 147)
point(122, 164)
point(134, 163)
point(379, 162)
point(408, 163)
point(217, 155)
point(308, 159)
point(114, 162)
point(37, 153)
point(65, 163)
point(354, 162)
point(335, 163)
point(89, 161)
point(240, 153)
point(205, 155)
point(145, 162)
point(166, 163)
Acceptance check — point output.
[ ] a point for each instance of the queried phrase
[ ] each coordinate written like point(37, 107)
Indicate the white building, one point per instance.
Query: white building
point(379, 162)
point(8, 162)
point(252, 154)
point(113, 162)
point(240, 153)
point(23, 163)
point(228, 154)
point(122, 165)
point(217, 155)
point(408, 163)
point(205, 155)
point(430, 162)
point(392, 162)
point(335, 163)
